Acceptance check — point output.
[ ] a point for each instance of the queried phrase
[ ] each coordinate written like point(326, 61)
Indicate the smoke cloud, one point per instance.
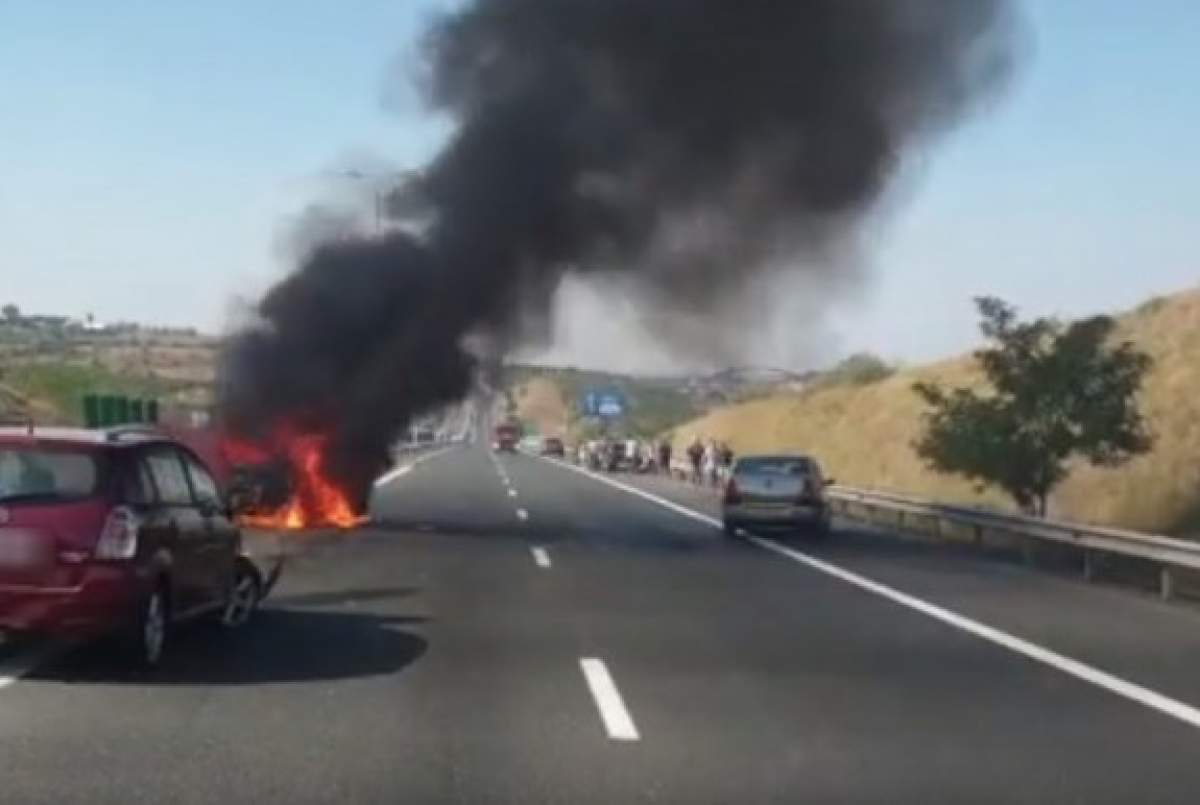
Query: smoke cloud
point(691, 147)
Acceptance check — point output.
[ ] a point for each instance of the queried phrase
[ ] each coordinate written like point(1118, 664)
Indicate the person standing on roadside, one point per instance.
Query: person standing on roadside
point(710, 462)
point(695, 453)
point(664, 456)
point(726, 454)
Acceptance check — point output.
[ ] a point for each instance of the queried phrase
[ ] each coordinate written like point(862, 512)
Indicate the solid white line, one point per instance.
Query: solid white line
point(392, 475)
point(1087, 673)
point(522, 514)
point(616, 718)
point(541, 557)
point(650, 496)
point(404, 469)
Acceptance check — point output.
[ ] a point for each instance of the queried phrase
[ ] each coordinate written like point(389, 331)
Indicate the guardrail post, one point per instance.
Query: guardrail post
point(1166, 583)
point(1089, 565)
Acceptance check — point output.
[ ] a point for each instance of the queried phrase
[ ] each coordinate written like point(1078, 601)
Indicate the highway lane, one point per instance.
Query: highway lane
point(1135, 635)
point(439, 656)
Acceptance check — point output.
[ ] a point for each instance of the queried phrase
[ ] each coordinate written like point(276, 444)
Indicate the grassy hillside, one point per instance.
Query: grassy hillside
point(864, 433)
point(54, 392)
point(540, 404)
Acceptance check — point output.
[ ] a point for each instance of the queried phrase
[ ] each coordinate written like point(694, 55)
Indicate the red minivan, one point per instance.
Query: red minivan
point(121, 531)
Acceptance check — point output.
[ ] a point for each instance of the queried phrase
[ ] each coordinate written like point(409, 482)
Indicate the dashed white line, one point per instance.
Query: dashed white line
point(617, 721)
point(522, 514)
point(1080, 670)
point(540, 557)
point(512, 493)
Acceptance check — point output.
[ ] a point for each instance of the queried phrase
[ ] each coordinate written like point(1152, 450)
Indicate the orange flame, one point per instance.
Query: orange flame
point(315, 501)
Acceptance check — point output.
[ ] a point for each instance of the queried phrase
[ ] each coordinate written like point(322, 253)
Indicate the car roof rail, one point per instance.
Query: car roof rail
point(121, 432)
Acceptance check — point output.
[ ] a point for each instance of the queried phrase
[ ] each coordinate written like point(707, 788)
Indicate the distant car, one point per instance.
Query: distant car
point(506, 438)
point(776, 491)
point(120, 531)
point(554, 447)
point(615, 459)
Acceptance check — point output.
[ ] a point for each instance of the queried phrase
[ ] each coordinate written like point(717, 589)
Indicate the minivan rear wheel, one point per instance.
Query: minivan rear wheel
point(243, 598)
point(147, 639)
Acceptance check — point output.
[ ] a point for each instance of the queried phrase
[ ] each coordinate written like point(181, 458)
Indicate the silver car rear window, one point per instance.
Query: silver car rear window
point(781, 465)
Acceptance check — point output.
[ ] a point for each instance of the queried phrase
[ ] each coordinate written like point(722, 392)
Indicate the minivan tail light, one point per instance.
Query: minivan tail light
point(119, 537)
point(733, 495)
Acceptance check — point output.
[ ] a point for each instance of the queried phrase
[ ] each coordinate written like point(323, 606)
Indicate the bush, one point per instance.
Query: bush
point(860, 369)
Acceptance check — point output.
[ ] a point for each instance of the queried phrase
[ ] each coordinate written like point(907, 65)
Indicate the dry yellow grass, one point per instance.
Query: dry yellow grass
point(540, 402)
point(863, 435)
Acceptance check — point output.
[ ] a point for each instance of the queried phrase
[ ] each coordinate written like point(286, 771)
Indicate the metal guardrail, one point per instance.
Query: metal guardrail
point(1166, 552)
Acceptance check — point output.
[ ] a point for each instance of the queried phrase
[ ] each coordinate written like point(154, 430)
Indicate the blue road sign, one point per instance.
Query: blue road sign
point(606, 403)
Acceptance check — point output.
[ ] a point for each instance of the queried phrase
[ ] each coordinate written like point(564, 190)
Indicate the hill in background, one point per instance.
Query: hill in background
point(48, 363)
point(863, 433)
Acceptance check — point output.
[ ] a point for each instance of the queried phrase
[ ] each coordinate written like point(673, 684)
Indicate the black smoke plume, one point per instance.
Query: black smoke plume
point(694, 144)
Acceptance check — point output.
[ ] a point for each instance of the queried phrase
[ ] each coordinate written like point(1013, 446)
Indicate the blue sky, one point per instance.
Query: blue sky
point(151, 154)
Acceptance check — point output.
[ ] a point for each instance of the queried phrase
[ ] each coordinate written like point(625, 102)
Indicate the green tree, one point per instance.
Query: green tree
point(11, 313)
point(860, 369)
point(1057, 392)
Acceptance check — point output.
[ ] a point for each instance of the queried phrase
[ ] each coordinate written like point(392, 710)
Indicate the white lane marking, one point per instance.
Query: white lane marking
point(522, 514)
point(616, 718)
point(650, 496)
point(402, 470)
point(1068, 665)
point(512, 493)
point(392, 475)
point(540, 557)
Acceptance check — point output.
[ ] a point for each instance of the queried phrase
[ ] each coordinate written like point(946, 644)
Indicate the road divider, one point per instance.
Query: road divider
point(1102, 679)
point(617, 720)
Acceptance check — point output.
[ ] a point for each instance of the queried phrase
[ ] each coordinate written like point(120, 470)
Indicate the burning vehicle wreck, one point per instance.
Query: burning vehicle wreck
point(281, 484)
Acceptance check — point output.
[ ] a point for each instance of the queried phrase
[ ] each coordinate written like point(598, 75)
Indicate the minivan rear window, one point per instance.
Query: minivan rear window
point(39, 474)
point(783, 465)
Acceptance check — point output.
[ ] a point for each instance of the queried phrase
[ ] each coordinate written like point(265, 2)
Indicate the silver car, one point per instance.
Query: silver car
point(776, 491)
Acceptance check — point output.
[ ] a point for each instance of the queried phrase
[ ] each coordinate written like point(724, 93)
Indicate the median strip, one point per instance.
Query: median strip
point(1080, 670)
point(617, 721)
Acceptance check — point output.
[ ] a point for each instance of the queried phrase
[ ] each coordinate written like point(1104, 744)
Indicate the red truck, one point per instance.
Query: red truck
point(506, 436)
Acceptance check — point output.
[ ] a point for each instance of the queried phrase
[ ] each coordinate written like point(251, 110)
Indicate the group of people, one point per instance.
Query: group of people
point(710, 461)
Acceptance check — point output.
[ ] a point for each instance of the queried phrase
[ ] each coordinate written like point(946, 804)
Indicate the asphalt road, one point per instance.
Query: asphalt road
point(513, 631)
